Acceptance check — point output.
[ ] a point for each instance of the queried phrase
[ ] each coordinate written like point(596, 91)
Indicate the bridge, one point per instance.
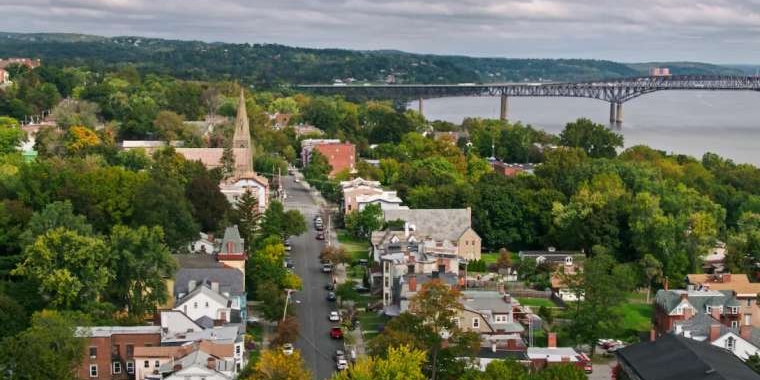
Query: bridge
point(614, 91)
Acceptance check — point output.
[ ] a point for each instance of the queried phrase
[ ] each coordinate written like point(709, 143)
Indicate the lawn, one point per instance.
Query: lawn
point(370, 323)
point(536, 302)
point(635, 316)
point(357, 249)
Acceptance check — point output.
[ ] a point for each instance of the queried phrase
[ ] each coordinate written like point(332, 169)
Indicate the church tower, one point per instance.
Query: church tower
point(242, 137)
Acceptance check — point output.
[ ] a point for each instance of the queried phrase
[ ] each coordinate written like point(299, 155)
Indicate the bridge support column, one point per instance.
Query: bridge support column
point(504, 107)
point(419, 105)
point(612, 112)
point(619, 116)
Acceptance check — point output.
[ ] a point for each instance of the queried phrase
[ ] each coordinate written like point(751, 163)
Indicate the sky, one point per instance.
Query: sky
point(717, 31)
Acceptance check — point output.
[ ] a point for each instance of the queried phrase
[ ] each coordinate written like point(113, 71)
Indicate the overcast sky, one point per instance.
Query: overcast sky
point(719, 31)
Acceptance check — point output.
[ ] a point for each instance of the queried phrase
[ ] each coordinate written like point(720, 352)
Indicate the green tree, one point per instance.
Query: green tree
point(248, 216)
point(652, 269)
point(401, 363)
point(71, 112)
point(161, 202)
point(278, 222)
point(318, 168)
point(11, 135)
point(72, 269)
point(753, 361)
point(140, 261)
point(595, 139)
point(560, 372)
point(360, 224)
point(284, 105)
point(13, 316)
point(169, 125)
point(49, 349)
point(210, 206)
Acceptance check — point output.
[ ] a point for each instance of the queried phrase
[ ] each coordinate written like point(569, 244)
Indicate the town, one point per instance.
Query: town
point(156, 226)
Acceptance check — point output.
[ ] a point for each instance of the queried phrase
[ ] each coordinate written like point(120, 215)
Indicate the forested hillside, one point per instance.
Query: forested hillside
point(269, 65)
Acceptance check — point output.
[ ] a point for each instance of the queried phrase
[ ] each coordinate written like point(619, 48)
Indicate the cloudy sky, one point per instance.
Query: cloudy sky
point(719, 31)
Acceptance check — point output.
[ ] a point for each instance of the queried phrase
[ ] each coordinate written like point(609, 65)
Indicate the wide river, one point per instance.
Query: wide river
point(686, 122)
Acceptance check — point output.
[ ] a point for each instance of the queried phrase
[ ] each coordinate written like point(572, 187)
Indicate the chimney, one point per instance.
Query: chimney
point(177, 367)
point(210, 237)
point(665, 285)
point(412, 283)
point(715, 313)
point(684, 296)
point(652, 335)
point(551, 340)
point(493, 347)
point(215, 286)
point(191, 285)
point(211, 363)
point(565, 359)
point(726, 277)
point(714, 331)
point(745, 331)
point(230, 247)
point(406, 229)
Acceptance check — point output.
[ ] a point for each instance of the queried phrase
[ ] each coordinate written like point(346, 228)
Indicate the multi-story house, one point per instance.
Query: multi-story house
point(490, 314)
point(200, 360)
point(110, 350)
point(359, 193)
point(746, 292)
point(340, 156)
point(219, 274)
point(742, 342)
point(676, 305)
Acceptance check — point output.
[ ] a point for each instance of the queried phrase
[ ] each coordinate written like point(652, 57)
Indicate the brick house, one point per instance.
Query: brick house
point(746, 292)
point(341, 156)
point(676, 305)
point(109, 351)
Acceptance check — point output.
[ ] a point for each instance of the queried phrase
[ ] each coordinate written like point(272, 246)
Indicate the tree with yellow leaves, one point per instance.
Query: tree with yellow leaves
point(401, 363)
point(80, 139)
point(275, 365)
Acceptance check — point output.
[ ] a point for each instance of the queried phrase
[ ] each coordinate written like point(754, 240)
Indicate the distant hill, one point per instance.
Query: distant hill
point(270, 65)
point(686, 68)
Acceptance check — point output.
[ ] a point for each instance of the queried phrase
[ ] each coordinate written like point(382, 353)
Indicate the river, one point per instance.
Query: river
point(685, 122)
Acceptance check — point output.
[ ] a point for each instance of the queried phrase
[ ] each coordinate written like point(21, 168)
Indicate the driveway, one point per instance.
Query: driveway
point(311, 306)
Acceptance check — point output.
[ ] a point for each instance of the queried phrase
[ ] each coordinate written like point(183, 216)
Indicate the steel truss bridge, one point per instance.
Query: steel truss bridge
point(615, 91)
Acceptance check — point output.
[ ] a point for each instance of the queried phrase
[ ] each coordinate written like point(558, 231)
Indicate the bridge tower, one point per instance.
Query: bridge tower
point(419, 106)
point(612, 112)
point(619, 113)
point(504, 107)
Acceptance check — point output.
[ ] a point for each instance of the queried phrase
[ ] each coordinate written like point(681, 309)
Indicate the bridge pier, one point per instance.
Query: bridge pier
point(419, 105)
point(612, 112)
point(504, 107)
point(619, 113)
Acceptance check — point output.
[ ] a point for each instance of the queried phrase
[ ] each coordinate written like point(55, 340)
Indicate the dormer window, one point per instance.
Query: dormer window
point(569, 260)
point(540, 259)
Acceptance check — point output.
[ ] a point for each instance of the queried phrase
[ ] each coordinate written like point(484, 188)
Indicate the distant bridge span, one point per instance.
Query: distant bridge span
point(614, 91)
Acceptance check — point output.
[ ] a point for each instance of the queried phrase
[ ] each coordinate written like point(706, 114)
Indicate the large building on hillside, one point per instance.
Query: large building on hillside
point(340, 156)
point(28, 62)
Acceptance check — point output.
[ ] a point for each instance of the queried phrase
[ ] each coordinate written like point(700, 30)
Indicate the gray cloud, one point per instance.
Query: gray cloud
point(624, 30)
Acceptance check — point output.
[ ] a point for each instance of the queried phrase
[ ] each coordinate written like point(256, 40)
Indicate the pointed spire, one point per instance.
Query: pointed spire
point(242, 136)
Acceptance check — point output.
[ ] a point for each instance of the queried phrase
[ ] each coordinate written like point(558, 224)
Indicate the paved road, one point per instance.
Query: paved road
point(311, 305)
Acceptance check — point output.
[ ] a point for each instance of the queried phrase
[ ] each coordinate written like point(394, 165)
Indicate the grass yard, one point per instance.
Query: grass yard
point(635, 316)
point(357, 249)
point(370, 323)
point(538, 302)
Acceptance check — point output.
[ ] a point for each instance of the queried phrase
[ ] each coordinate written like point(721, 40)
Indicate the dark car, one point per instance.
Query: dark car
point(320, 236)
point(329, 286)
point(331, 296)
point(336, 333)
point(361, 289)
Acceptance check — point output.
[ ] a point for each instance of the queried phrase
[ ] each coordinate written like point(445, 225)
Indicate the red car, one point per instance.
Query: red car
point(336, 333)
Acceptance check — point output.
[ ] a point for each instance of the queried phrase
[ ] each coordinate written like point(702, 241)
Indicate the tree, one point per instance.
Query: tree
point(273, 300)
point(284, 105)
point(595, 139)
point(71, 112)
point(11, 135)
point(400, 362)
point(286, 331)
point(247, 214)
point(48, 349)
point(228, 161)
point(652, 271)
point(335, 254)
point(169, 125)
point(275, 365)
point(161, 201)
point(560, 372)
point(505, 259)
point(210, 206)
point(72, 269)
point(361, 223)
point(55, 215)
point(278, 222)
point(80, 140)
point(140, 262)
point(13, 316)
point(753, 361)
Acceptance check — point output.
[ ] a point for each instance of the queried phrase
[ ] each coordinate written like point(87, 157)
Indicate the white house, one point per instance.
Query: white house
point(204, 244)
point(204, 301)
point(742, 342)
point(235, 187)
point(388, 200)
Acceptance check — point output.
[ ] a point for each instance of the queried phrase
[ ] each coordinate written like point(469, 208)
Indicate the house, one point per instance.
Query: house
point(552, 256)
point(206, 361)
point(110, 350)
point(28, 62)
point(742, 342)
point(745, 291)
point(232, 250)
point(441, 227)
point(358, 193)
point(205, 271)
point(489, 353)
point(236, 186)
point(150, 146)
point(678, 304)
point(340, 156)
point(279, 120)
point(302, 130)
point(205, 303)
point(511, 170)
point(676, 357)
point(204, 244)
point(559, 288)
point(541, 357)
point(490, 314)
point(149, 359)
point(714, 260)
point(404, 287)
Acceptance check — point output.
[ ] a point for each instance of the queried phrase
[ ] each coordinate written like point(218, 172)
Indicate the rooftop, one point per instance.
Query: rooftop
point(107, 331)
point(738, 282)
point(552, 354)
point(439, 224)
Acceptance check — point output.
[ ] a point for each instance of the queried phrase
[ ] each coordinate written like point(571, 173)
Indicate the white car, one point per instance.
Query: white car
point(341, 364)
point(334, 316)
point(287, 349)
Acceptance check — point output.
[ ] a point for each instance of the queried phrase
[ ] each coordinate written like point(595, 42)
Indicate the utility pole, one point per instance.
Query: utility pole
point(285, 309)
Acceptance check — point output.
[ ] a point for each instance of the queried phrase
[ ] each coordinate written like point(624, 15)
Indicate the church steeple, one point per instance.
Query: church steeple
point(242, 137)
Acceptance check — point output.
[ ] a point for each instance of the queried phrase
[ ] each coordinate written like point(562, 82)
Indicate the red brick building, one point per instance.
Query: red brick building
point(677, 305)
point(28, 62)
point(109, 351)
point(341, 156)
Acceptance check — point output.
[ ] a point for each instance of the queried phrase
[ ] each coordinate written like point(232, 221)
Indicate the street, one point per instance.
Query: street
point(310, 303)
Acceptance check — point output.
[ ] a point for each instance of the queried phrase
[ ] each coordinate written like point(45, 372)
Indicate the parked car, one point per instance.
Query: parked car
point(363, 262)
point(361, 289)
point(320, 236)
point(331, 296)
point(287, 349)
point(339, 354)
point(336, 332)
point(329, 286)
point(287, 245)
point(334, 316)
point(319, 227)
point(327, 268)
point(341, 364)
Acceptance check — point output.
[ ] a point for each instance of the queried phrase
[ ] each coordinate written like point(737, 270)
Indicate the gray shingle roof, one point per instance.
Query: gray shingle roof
point(232, 235)
point(230, 280)
point(669, 299)
point(208, 293)
point(699, 326)
point(673, 357)
point(439, 224)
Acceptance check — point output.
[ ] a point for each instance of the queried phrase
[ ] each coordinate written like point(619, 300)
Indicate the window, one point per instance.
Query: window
point(387, 281)
point(501, 318)
point(206, 304)
point(130, 367)
point(569, 260)
point(93, 370)
point(93, 352)
point(730, 343)
point(237, 350)
point(147, 364)
point(476, 323)
point(115, 350)
point(156, 363)
point(734, 310)
point(116, 368)
point(734, 324)
point(749, 301)
point(130, 350)
point(708, 309)
point(195, 305)
point(456, 321)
